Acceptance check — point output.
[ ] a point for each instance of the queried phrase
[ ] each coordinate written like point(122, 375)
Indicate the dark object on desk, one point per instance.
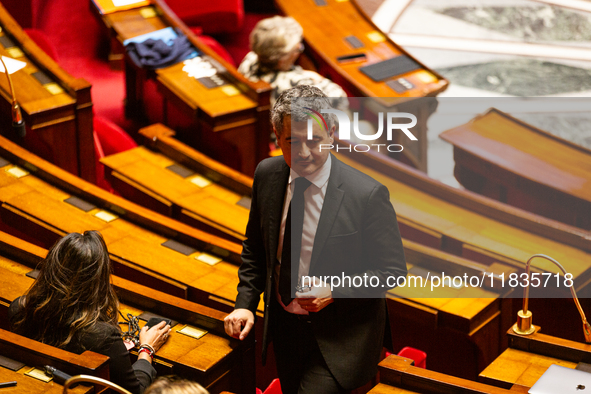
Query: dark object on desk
point(154, 54)
point(180, 170)
point(58, 376)
point(11, 364)
point(356, 57)
point(179, 247)
point(3, 162)
point(7, 384)
point(6, 42)
point(33, 274)
point(354, 42)
point(320, 3)
point(80, 203)
point(400, 85)
point(148, 316)
point(245, 202)
point(390, 68)
point(42, 77)
point(583, 367)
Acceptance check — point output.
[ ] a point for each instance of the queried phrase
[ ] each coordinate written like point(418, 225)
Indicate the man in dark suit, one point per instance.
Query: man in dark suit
point(312, 215)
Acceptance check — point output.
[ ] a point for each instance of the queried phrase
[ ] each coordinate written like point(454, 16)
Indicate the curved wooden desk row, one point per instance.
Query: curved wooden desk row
point(227, 122)
point(192, 264)
point(57, 108)
point(214, 360)
point(528, 357)
point(511, 161)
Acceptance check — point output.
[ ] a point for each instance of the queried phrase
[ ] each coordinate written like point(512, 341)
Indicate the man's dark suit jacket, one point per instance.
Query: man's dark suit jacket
point(357, 233)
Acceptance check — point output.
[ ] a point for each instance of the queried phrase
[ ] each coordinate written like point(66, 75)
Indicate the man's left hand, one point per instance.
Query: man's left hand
point(317, 298)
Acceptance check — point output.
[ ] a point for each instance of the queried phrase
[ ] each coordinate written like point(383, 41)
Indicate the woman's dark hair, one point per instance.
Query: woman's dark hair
point(72, 292)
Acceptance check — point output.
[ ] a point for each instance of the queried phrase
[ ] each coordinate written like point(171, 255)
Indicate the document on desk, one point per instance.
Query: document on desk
point(12, 65)
point(121, 3)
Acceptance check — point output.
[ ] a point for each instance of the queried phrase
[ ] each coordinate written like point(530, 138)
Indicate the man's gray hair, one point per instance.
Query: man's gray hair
point(306, 97)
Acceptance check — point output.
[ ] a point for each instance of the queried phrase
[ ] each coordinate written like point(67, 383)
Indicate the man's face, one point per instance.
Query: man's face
point(302, 155)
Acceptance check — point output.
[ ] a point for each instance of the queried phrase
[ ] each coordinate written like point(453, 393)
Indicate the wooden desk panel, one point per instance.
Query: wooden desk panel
point(519, 367)
point(27, 384)
point(508, 160)
point(398, 372)
point(58, 115)
point(529, 356)
point(214, 360)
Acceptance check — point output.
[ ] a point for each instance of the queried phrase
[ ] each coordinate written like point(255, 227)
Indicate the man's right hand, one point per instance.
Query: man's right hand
point(235, 321)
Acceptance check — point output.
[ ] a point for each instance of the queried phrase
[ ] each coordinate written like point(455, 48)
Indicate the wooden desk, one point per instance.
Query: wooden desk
point(215, 198)
point(27, 384)
point(326, 29)
point(506, 159)
point(229, 123)
point(397, 375)
point(57, 109)
point(528, 357)
point(215, 361)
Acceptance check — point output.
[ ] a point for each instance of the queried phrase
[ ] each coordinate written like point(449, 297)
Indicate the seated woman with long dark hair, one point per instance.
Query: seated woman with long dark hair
point(73, 306)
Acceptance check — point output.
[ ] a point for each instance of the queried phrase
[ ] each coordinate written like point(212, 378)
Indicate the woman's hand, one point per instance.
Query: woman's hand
point(155, 336)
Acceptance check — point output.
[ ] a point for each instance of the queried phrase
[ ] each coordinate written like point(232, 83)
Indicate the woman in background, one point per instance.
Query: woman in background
point(73, 306)
point(276, 44)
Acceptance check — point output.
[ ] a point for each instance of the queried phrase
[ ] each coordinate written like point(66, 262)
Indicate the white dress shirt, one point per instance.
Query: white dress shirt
point(314, 199)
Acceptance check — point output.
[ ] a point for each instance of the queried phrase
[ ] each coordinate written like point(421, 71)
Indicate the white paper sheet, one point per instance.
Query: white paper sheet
point(12, 65)
point(120, 3)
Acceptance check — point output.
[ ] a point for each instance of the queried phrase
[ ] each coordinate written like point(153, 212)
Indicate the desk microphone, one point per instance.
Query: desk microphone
point(524, 324)
point(18, 123)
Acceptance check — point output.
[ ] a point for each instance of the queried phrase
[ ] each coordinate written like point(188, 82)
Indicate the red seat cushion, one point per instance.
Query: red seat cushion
point(42, 42)
point(213, 44)
point(274, 387)
point(108, 139)
point(113, 139)
point(222, 16)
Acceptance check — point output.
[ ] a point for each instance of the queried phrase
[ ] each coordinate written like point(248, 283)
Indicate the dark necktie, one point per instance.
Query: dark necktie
point(292, 240)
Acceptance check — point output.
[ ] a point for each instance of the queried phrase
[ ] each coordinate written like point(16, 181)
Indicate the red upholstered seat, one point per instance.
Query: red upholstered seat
point(108, 139)
point(418, 356)
point(42, 42)
point(222, 16)
point(213, 44)
point(274, 387)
